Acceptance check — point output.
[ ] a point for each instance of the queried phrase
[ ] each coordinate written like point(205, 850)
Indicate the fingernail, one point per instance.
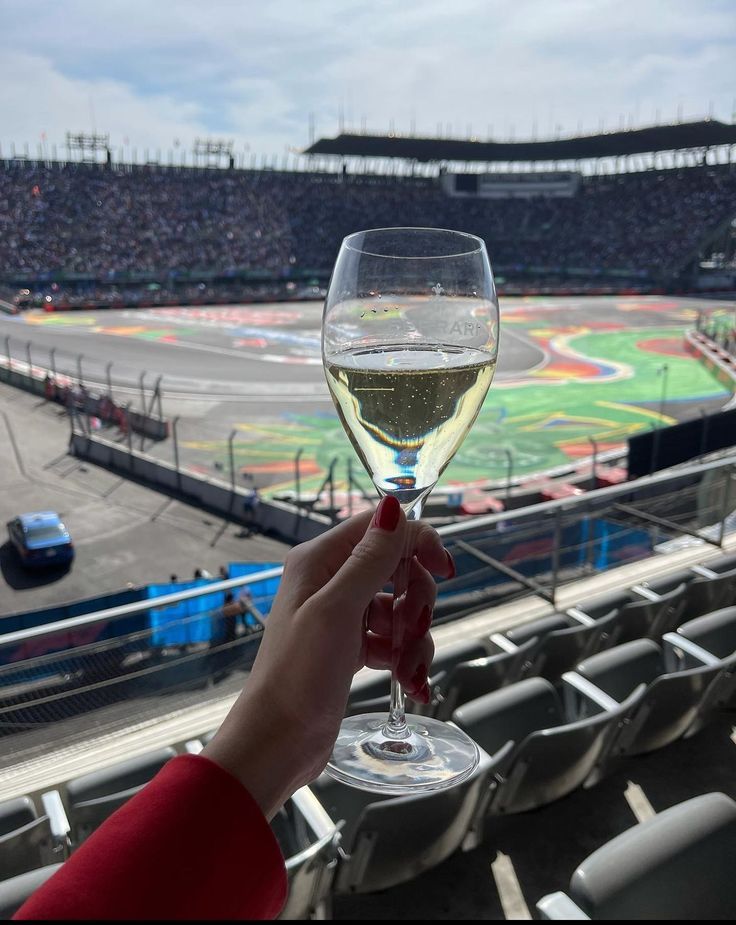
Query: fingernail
point(419, 680)
point(451, 564)
point(387, 514)
point(425, 620)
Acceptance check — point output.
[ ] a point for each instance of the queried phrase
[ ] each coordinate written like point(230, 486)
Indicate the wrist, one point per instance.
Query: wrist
point(258, 751)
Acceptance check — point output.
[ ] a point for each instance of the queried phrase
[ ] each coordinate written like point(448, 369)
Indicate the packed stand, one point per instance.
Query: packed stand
point(102, 222)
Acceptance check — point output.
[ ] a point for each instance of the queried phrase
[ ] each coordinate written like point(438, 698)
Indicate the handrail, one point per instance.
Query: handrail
point(446, 530)
point(123, 610)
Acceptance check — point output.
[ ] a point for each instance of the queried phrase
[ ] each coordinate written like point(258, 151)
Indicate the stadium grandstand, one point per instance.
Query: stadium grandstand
point(554, 219)
point(587, 641)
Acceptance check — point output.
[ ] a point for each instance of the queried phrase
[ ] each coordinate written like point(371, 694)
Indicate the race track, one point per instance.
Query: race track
point(569, 369)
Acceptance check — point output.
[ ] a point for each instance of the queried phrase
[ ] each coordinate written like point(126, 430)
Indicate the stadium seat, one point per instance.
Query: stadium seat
point(16, 890)
point(548, 754)
point(639, 616)
point(713, 634)
point(386, 841)
point(94, 797)
point(668, 706)
point(705, 591)
point(29, 840)
point(308, 839)
point(370, 693)
point(467, 680)
point(563, 641)
point(677, 865)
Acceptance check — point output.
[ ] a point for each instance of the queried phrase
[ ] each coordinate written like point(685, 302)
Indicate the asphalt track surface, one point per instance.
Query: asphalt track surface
point(257, 369)
point(253, 353)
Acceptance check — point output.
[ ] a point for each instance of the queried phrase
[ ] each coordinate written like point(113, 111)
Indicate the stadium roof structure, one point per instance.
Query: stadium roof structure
point(703, 134)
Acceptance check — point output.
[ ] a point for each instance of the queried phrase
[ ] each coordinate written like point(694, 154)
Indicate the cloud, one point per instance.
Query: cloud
point(249, 71)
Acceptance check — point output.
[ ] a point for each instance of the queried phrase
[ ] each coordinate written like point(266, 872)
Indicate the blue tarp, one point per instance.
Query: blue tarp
point(187, 621)
point(263, 591)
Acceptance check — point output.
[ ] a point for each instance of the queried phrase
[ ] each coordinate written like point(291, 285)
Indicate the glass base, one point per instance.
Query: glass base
point(433, 756)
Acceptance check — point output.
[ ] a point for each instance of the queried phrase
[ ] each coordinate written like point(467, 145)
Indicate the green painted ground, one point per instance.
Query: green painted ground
point(544, 422)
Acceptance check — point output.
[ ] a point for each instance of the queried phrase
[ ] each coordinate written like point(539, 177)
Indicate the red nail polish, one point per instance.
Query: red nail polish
point(419, 679)
point(387, 514)
point(451, 563)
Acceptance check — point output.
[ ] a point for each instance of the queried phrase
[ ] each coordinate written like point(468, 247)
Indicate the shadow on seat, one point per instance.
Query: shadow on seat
point(29, 840)
point(669, 704)
point(16, 890)
point(677, 865)
point(563, 641)
point(548, 753)
point(386, 841)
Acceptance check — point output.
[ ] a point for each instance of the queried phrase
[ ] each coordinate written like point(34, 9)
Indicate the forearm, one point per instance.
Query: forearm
point(193, 844)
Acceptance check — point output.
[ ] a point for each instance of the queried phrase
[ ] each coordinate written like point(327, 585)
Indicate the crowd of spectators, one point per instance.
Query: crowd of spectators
point(106, 222)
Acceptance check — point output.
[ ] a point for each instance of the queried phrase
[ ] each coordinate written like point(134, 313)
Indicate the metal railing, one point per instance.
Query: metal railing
point(104, 660)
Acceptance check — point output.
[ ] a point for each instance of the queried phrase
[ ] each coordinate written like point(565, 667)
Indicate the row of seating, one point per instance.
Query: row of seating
point(554, 644)
point(32, 844)
point(539, 740)
point(677, 865)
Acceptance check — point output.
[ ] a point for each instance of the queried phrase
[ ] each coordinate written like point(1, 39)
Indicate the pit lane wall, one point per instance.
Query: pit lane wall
point(284, 520)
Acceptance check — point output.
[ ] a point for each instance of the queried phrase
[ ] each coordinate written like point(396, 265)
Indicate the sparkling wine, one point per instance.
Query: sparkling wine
point(407, 408)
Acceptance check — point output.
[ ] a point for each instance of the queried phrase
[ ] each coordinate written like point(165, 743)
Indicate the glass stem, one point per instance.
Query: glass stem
point(396, 727)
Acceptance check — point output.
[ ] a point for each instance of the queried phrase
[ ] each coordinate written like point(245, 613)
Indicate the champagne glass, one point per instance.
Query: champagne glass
point(409, 346)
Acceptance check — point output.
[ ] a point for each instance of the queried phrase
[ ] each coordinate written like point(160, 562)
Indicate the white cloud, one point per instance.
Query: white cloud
point(241, 69)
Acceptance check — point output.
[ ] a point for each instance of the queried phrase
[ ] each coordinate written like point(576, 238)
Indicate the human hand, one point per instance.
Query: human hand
point(329, 619)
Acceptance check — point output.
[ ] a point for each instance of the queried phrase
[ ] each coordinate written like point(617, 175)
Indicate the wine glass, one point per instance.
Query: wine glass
point(409, 346)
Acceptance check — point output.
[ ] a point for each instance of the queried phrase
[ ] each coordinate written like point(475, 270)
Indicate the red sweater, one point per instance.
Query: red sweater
point(193, 844)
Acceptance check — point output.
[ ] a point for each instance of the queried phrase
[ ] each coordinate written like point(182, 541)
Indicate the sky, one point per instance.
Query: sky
point(158, 74)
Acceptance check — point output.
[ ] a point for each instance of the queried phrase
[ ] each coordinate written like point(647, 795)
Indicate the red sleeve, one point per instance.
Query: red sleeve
point(193, 844)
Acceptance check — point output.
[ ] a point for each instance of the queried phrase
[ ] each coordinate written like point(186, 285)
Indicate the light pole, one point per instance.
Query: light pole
point(663, 371)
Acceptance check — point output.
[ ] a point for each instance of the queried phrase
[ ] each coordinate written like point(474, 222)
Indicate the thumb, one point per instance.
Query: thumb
point(372, 562)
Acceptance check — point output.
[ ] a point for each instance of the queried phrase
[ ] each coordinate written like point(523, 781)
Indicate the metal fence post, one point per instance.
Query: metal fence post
point(509, 474)
point(175, 438)
point(108, 376)
point(594, 479)
point(29, 359)
point(7, 353)
point(728, 474)
point(297, 475)
point(129, 435)
point(233, 434)
point(80, 357)
point(52, 357)
point(556, 552)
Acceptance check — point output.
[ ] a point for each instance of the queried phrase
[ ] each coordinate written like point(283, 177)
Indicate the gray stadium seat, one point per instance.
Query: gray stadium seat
point(669, 704)
point(563, 641)
point(677, 865)
point(308, 839)
point(94, 797)
point(372, 694)
point(15, 891)
point(29, 840)
point(638, 616)
point(386, 841)
point(550, 754)
point(468, 680)
point(705, 591)
point(722, 564)
point(715, 634)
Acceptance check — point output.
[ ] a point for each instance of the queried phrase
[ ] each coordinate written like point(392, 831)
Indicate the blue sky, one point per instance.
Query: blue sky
point(156, 71)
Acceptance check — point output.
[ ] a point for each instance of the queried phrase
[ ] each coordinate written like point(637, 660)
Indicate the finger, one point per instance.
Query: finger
point(426, 545)
point(412, 670)
point(415, 609)
point(370, 564)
